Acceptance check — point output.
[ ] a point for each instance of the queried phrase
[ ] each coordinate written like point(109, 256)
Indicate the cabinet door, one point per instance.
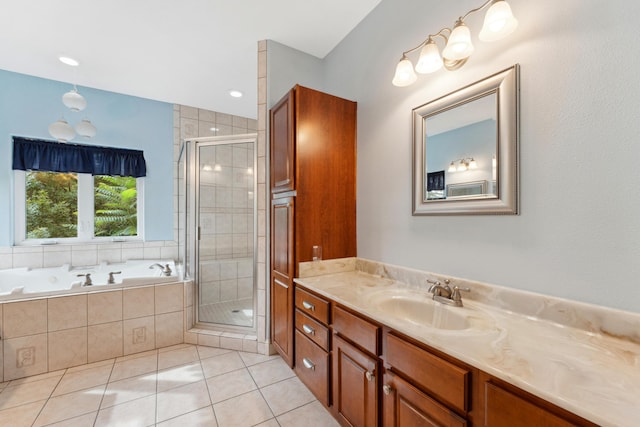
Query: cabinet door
point(505, 409)
point(282, 322)
point(405, 406)
point(355, 398)
point(282, 145)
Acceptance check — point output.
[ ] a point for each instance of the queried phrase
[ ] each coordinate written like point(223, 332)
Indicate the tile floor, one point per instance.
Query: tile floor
point(183, 385)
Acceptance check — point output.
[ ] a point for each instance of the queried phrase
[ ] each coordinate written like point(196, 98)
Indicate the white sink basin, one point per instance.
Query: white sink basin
point(418, 308)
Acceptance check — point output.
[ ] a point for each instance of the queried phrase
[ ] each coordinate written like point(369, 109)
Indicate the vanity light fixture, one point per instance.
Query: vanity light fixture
point(498, 23)
point(461, 165)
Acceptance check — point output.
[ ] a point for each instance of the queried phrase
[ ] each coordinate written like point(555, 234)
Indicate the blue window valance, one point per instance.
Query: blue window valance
point(43, 155)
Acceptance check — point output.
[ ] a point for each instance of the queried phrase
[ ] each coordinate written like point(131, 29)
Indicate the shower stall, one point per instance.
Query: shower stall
point(217, 229)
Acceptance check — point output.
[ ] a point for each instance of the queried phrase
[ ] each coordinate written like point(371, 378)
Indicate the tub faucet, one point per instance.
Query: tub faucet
point(111, 280)
point(87, 279)
point(166, 270)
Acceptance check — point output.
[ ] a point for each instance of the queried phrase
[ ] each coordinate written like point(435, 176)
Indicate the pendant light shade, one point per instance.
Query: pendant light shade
point(430, 60)
point(61, 130)
point(404, 73)
point(459, 45)
point(86, 129)
point(74, 101)
point(499, 22)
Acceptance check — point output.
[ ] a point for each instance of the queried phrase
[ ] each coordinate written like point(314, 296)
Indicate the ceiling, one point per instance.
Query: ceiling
point(189, 52)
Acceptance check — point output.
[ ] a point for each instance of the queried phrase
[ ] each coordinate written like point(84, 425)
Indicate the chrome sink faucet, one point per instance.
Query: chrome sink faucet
point(445, 294)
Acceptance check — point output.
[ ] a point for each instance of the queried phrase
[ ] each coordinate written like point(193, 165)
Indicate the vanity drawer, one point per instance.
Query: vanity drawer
point(357, 330)
point(312, 367)
point(312, 305)
point(446, 381)
point(313, 330)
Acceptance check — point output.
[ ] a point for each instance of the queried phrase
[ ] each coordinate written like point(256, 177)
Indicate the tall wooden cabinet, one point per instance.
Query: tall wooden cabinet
point(313, 194)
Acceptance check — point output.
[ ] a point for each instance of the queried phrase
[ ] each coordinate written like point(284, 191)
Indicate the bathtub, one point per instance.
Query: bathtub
point(23, 283)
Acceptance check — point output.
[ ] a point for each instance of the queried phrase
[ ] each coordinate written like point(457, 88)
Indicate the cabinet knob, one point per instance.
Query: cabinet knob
point(308, 364)
point(308, 305)
point(386, 389)
point(369, 375)
point(308, 330)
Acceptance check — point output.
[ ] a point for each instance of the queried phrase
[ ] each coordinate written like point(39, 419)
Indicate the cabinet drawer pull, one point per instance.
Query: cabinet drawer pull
point(386, 389)
point(308, 364)
point(308, 329)
point(369, 376)
point(308, 305)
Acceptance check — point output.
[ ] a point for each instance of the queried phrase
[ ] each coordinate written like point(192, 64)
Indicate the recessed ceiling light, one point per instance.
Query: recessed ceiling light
point(69, 61)
point(235, 93)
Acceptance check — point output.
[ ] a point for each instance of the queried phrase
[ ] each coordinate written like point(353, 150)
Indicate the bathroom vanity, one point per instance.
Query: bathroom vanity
point(377, 351)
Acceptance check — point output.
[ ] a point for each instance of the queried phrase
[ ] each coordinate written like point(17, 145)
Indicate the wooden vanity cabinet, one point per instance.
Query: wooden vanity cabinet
point(282, 273)
point(506, 405)
point(312, 343)
point(405, 405)
point(422, 388)
point(356, 368)
point(312, 168)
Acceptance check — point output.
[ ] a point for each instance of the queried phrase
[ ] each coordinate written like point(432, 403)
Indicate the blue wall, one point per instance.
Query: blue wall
point(28, 105)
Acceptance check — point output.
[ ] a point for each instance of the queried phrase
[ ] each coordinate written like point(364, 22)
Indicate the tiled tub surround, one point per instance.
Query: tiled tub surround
point(47, 334)
point(581, 357)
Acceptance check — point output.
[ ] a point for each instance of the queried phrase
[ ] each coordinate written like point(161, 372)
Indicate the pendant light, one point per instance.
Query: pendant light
point(74, 101)
point(61, 130)
point(86, 129)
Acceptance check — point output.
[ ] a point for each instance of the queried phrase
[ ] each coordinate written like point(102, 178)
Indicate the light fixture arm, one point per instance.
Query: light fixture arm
point(477, 9)
point(429, 37)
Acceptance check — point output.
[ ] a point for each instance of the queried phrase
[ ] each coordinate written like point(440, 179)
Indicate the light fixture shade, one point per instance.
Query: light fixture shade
point(462, 166)
point(459, 45)
point(473, 164)
point(430, 60)
point(74, 101)
point(498, 22)
point(61, 130)
point(452, 167)
point(86, 129)
point(404, 73)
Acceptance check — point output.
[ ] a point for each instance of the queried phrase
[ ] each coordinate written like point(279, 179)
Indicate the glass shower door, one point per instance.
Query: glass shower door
point(226, 218)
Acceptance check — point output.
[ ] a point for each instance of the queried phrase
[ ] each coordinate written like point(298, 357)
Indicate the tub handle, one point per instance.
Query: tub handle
point(87, 279)
point(111, 280)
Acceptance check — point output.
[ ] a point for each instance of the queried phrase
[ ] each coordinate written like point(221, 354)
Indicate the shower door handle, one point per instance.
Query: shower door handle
point(199, 233)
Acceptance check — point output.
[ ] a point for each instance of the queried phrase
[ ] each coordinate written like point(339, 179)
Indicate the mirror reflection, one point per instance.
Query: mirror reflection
point(465, 149)
point(460, 151)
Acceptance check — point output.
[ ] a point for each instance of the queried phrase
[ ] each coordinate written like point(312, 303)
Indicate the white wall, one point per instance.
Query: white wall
point(287, 67)
point(578, 235)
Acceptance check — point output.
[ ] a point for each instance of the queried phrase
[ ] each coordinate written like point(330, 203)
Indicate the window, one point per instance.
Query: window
point(76, 207)
point(76, 192)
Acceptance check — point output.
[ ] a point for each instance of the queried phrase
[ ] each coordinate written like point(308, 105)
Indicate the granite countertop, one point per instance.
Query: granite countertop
point(594, 375)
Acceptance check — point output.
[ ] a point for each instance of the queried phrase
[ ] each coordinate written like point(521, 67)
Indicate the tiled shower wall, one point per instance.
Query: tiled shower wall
point(194, 123)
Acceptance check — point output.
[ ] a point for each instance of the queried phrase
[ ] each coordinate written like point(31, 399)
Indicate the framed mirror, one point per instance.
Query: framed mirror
point(465, 149)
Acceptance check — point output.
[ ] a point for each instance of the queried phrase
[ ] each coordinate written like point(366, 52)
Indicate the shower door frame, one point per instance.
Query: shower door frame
point(192, 213)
